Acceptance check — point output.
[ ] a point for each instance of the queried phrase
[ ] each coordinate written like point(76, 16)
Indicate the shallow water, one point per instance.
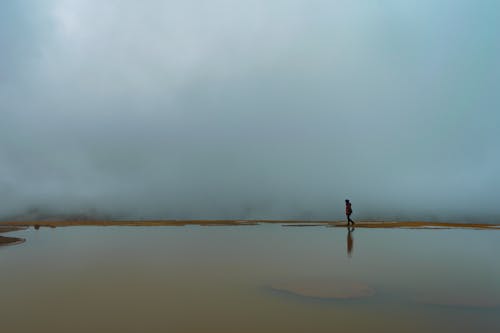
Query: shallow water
point(265, 278)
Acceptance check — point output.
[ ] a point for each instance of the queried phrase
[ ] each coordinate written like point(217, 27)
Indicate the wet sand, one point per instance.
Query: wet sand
point(286, 223)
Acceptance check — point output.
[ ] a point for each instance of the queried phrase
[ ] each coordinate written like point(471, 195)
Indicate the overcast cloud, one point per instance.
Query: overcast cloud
point(251, 108)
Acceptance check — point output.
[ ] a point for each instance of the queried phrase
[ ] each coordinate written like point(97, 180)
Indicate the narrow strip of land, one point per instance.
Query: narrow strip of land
point(288, 223)
point(422, 225)
point(10, 240)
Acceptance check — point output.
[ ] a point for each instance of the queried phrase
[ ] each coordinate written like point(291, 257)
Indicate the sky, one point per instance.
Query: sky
point(250, 109)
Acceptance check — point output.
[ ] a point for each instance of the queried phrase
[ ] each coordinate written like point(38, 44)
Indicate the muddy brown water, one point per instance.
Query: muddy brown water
point(263, 278)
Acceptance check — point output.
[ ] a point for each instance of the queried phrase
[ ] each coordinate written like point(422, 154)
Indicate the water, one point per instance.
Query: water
point(249, 279)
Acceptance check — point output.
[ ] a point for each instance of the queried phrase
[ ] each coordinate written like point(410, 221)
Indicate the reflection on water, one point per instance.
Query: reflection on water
point(199, 279)
point(350, 241)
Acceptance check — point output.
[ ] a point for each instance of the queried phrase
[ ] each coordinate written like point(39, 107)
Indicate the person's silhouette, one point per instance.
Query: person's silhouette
point(350, 241)
point(348, 211)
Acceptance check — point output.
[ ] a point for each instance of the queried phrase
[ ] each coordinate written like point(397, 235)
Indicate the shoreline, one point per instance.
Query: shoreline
point(7, 226)
point(4, 241)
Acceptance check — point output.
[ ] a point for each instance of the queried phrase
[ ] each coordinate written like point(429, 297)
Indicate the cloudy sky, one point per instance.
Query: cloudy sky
point(251, 108)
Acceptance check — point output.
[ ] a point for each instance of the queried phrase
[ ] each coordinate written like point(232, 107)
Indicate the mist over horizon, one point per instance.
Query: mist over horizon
point(250, 110)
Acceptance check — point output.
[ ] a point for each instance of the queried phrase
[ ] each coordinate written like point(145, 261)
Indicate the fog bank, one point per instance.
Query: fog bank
point(250, 109)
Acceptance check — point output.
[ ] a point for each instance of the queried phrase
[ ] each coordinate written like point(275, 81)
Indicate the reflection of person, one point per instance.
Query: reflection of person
point(350, 241)
point(348, 211)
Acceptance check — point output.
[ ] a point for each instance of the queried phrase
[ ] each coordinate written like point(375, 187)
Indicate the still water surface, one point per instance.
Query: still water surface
point(265, 278)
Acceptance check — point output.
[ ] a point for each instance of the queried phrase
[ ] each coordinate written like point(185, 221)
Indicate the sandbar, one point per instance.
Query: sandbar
point(10, 240)
point(287, 223)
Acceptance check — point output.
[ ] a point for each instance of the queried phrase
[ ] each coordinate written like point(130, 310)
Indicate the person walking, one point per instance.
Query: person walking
point(348, 211)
